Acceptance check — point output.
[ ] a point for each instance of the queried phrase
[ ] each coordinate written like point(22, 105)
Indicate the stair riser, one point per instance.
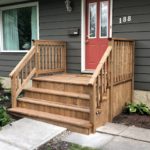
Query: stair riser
point(54, 110)
point(56, 98)
point(61, 86)
point(70, 127)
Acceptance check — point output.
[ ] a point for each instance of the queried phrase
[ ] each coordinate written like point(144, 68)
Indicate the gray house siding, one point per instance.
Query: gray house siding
point(138, 29)
point(55, 22)
point(8, 61)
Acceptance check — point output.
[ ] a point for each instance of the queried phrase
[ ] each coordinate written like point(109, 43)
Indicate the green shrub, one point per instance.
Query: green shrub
point(4, 117)
point(141, 109)
point(4, 98)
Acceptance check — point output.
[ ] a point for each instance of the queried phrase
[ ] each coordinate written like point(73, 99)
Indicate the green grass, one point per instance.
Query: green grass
point(78, 147)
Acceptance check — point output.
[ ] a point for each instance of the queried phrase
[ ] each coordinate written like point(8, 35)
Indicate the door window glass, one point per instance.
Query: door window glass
point(92, 19)
point(104, 19)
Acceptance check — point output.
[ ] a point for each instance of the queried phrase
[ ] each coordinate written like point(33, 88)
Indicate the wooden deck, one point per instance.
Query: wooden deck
point(80, 102)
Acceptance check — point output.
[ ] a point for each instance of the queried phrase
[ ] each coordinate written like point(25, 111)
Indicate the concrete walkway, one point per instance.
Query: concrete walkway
point(114, 137)
point(27, 134)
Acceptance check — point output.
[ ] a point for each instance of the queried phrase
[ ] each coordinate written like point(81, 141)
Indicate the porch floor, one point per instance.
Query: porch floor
point(67, 78)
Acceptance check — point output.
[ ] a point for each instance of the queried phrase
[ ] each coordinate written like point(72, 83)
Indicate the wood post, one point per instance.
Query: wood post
point(133, 65)
point(93, 106)
point(13, 92)
point(111, 83)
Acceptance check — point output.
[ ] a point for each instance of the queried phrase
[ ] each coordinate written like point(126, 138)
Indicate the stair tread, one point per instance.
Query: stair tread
point(78, 79)
point(49, 116)
point(60, 93)
point(53, 104)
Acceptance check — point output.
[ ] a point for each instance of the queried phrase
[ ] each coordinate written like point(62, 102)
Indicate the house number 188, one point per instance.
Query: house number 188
point(125, 19)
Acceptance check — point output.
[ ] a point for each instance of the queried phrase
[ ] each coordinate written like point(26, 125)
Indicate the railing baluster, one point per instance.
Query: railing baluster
point(53, 63)
point(43, 56)
point(105, 76)
point(98, 92)
point(46, 57)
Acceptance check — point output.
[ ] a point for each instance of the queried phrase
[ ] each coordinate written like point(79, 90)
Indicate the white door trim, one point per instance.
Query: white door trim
point(111, 18)
point(83, 32)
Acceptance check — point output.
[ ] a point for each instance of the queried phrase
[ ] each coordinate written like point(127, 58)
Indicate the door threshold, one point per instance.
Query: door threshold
point(88, 71)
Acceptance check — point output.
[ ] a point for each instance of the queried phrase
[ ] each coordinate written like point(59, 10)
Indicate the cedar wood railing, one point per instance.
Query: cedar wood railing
point(115, 67)
point(44, 57)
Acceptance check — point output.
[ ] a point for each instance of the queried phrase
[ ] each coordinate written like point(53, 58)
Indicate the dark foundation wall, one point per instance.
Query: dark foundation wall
point(139, 29)
point(55, 22)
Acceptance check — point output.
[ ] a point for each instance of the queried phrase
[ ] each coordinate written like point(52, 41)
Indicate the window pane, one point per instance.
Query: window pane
point(10, 30)
point(92, 19)
point(19, 28)
point(24, 28)
point(104, 19)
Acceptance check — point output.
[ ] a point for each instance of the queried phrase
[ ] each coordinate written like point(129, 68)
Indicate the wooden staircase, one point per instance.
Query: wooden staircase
point(79, 102)
point(61, 99)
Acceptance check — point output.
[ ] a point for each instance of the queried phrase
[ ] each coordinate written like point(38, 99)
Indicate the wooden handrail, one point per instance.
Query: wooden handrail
point(22, 73)
point(121, 39)
point(100, 65)
point(45, 56)
point(21, 64)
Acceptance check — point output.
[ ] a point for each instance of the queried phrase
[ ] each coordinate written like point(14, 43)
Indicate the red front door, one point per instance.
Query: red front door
point(97, 30)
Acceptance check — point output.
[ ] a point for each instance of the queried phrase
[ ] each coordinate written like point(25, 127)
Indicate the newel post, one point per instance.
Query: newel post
point(13, 91)
point(92, 90)
point(36, 57)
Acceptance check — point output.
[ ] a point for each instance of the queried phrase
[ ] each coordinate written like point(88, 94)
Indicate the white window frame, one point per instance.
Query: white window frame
point(100, 36)
point(89, 21)
point(1, 24)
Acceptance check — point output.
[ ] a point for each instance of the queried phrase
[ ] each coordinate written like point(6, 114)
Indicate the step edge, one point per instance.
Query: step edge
point(88, 124)
point(86, 110)
point(58, 93)
point(53, 81)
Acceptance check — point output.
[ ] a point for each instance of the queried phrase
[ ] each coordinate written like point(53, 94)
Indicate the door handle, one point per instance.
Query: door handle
point(87, 41)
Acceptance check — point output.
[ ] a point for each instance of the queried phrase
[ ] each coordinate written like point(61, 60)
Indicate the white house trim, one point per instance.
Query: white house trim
point(83, 33)
point(111, 18)
point(30, 4)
